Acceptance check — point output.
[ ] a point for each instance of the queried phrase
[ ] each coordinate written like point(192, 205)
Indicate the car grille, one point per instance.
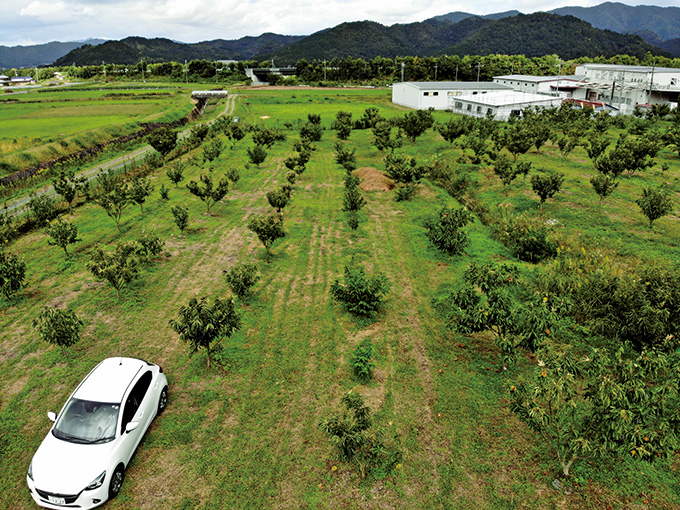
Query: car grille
point(68, 498)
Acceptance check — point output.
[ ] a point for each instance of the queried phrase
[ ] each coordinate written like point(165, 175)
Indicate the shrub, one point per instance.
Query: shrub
point(241, 279)
point(446, 233)
point(361, 363)
point(361, 294)
point(356, 441)
point(181, 215)
point(58, 327)
point(527, 238)
point(12, 273)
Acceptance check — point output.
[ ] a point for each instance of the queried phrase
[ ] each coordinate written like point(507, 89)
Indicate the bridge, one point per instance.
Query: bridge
point(207, 94)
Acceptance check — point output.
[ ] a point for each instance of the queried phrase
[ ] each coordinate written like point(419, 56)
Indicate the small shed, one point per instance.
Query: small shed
point(423, 95)
point(501, 104)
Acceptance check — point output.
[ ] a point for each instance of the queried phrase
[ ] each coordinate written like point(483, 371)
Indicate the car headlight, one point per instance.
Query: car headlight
point(30, 471)
point(97, 482)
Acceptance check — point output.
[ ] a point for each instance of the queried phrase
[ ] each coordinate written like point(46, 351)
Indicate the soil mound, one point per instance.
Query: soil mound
point(373, 180)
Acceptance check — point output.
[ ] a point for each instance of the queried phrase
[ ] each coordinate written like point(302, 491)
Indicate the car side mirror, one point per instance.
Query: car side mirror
point(131, 426)
point(52, 416)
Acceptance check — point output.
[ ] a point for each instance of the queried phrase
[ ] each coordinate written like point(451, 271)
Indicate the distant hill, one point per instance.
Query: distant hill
point(38, 54)
point(531, 35)
point(663, 21)
point(455, 17)
point(132, 49)
point(672, 47)
point(545, 34)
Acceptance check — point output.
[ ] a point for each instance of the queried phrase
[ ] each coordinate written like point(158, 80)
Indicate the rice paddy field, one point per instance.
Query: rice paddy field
point(245, 434)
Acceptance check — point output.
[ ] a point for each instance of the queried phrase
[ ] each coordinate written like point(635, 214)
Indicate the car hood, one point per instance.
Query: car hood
point(62, 467)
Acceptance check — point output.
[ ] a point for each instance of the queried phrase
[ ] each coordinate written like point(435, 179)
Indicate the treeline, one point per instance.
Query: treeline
point(375, 71)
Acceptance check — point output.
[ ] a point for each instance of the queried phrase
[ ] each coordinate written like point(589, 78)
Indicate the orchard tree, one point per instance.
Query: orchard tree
point(504, 169)
point(382, 137)
point(361, 294)
point(176, 172)
point(58, 327)
point(181, 215)
point(343, 124)
point(519, 139)
point(212, 150)
point(604, 185)
point(416, 123)
point(257, 155)
point(117, 268)
point(12, 273)
point(241, 278)
point(268, 228)
point(546, 185)
point(163, 140)
point(403, 169)
point(208, 193)
point(62, 234)
point(655, 203)
point(41, 209)
point(203, 326)
point(278, 199)
point(67, 185)
point(454, 128)
point(114, 195)
point(140, 189)
point(446, 232)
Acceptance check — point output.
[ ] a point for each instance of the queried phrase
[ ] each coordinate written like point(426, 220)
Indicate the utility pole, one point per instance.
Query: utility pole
point(324, 70)
point(186, 72)
point(559, 73)
point(435, 72)
point(479, 68)
point(403, 65)
point(456, 72)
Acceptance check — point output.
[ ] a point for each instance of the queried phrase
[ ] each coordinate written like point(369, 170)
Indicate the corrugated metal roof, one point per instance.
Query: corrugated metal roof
point(503, 98)
point(457, 85)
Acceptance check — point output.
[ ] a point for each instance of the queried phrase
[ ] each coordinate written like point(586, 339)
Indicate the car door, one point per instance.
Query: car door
point(135, 410)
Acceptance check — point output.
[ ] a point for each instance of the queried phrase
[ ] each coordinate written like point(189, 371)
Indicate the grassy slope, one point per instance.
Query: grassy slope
point(247, 437)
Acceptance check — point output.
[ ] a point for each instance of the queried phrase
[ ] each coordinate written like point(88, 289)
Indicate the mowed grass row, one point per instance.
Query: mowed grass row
point(247, 436)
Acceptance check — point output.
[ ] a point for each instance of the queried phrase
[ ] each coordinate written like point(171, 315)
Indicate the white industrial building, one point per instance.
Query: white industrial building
point(500, 104)
point(627, 86)
point(436, 94)
point(562, 86)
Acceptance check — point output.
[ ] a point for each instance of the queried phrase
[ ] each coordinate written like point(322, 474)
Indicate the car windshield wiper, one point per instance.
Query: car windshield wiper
point(100, 440)
point(68, 437)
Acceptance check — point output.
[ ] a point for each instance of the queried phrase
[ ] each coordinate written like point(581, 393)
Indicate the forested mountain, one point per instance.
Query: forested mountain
point(38, 54)
point(530, 35)
point(672, 47)
point(544, 34)
point(455, 17)
point(132, 49)
point(663, 21)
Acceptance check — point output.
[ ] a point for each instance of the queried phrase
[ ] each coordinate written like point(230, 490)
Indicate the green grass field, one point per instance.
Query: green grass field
point(41, 125)
point(245, 436)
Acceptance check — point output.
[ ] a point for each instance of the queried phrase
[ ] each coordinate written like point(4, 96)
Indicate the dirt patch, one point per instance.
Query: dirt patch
point(373, 179)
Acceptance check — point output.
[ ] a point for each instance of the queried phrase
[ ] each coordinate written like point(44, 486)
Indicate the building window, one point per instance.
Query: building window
point(469, 107)
point(479, 109)
point(426, 93)
point(489, 111)
point(459, 105)
point(435, 93)
point(475, 92)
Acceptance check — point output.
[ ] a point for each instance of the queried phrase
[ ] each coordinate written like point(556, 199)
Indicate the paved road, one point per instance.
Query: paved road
point(15, 206)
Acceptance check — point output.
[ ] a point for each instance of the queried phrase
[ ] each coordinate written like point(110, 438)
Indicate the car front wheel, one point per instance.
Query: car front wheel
point(162, 400)
point(116, 481)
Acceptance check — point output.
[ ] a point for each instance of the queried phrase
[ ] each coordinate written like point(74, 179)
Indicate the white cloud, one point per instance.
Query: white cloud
point(56, 11)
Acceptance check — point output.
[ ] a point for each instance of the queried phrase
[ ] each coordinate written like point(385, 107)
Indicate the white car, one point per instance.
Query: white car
point(81, 462)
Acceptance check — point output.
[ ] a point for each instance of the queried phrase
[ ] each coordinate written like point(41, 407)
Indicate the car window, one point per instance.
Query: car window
point(134, 399)
point(84, 421)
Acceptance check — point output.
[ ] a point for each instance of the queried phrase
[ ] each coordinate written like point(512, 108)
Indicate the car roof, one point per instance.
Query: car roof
point(109, 380)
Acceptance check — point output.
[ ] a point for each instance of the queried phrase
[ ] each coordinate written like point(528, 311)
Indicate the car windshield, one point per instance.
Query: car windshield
point(83, 421)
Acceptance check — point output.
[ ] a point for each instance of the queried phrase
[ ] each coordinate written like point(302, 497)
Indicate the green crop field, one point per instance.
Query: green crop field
point(41, 125)
point(245, 434)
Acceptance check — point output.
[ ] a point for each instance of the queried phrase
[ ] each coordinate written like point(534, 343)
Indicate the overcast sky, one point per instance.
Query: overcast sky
point(26, 22)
